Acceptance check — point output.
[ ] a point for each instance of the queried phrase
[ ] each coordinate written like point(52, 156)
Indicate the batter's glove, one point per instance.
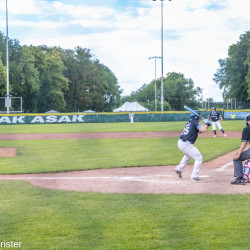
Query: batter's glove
point(208, 123)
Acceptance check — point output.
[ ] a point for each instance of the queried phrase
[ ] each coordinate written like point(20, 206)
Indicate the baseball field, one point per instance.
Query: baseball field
point(39, 212)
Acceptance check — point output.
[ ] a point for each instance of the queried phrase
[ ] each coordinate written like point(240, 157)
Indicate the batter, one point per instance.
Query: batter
point(185, 144)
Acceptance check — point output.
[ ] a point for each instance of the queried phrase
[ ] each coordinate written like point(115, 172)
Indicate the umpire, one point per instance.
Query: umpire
point(242, 155)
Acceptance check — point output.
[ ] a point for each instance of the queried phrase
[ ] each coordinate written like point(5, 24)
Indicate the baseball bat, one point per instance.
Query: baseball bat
point(193, 112)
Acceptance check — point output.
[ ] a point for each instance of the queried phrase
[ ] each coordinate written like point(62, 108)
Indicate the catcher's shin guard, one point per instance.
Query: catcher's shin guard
point(246, 170)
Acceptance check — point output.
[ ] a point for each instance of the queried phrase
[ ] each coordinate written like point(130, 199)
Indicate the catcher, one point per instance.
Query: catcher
point(246, 170)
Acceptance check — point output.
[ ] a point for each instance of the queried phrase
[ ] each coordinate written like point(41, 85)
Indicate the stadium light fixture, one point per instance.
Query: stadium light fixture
point(161, 53)
point(155, 57)
point(7, 103)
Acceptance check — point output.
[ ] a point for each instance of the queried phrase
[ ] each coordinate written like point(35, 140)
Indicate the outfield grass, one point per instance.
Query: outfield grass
point(237, 125)
point(49, 219)
point(35, 156)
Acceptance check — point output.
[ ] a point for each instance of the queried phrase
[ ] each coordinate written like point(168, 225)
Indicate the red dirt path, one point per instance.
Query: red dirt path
point(216, 174)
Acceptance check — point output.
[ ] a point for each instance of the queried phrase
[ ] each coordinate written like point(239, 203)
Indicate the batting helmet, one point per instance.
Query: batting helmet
point(247, 119)
point(213, 108)
point(193, 116)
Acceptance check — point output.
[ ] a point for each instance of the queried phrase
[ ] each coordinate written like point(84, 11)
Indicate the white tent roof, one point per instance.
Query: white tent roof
point(130, 106)
point(52, 111)
point(89, 111)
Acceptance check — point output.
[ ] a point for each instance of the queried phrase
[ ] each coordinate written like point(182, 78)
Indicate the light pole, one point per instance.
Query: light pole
point(155, 57)
point(162, 53)
point(7, 62)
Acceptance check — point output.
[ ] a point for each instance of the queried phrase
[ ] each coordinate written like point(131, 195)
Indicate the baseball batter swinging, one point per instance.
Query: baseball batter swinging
point(215, 117)
point(185, 144)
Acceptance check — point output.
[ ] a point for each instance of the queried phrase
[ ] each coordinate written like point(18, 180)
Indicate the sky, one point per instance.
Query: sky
point(123, 34)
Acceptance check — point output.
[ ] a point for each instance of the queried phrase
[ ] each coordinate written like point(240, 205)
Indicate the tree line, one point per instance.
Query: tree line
point(70, 80)
point(66, 80)
point(177, 92)
point(233, 74)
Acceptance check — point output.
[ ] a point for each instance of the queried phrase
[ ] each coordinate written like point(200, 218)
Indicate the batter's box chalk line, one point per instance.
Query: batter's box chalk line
point(223, 168)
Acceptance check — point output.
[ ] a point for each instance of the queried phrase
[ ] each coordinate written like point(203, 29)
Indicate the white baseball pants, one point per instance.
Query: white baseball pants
point(190, 151)
point(131, 120)
point(218, 124)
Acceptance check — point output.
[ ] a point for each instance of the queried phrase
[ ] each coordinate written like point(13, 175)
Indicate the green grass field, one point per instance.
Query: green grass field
point(108, 127)
point(34, 156)
point(50, 219)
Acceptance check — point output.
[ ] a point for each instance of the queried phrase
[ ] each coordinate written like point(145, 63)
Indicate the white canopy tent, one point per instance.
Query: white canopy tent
point(52, 111)
point(89, 111)
point(130, 106)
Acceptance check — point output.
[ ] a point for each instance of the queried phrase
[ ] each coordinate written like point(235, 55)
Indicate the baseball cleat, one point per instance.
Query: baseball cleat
point(225, 135)
point(238, 181)
point(214, 135)
point(246, 180)
point(178, 173)
point(195, 179)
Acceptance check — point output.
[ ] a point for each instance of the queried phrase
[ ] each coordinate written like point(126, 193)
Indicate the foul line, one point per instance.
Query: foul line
point(125, 178)
point(223, 167)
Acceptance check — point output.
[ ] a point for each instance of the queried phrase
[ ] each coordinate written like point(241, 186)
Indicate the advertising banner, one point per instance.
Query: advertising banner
point(236, 114)
point(41, 119)
point(59, 118)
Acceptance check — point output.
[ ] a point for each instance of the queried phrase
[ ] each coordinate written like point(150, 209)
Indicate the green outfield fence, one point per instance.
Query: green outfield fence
point(113, 117)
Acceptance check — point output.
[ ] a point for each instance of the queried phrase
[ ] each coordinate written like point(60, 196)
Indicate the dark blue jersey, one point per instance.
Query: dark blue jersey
point(191, 130)
point(246, 134)
point(214, 116)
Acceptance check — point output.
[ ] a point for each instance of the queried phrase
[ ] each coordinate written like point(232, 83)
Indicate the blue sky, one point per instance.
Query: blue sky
point(123, 34)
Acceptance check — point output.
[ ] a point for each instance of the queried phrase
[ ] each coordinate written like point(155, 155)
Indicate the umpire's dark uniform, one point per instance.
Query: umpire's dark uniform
point(245, 155)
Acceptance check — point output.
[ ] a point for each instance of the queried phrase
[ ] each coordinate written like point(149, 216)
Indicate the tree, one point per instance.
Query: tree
point(233, 76)
point(83, 92)
point(29, 83)
point(111, 89)
point(53, 78)
point(91, 84)
point(3, 76)
point(53, 82)
point(179, 91)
